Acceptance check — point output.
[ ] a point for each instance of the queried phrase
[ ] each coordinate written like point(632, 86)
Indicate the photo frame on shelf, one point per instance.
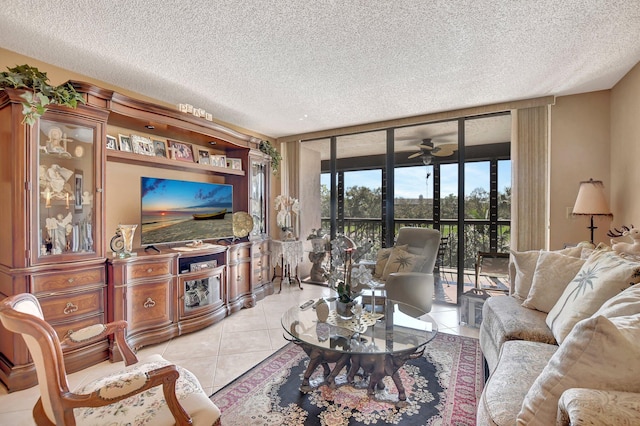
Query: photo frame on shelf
point(125, 143)
point(218, 160)
point(159, 148)
point(142, 145)
point(203, 156)
point(112, 142)
point(181, 151)
point(77, 191)
point(234, 163)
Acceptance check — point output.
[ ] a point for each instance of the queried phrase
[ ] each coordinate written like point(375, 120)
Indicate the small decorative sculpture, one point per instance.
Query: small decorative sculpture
point(626, 248)
point(57, 230)
point(122, 241)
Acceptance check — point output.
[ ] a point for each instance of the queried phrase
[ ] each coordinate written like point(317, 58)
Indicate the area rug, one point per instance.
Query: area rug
point(442, 389)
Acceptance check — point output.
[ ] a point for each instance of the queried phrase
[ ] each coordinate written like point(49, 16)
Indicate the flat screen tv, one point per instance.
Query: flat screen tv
point(174, 211)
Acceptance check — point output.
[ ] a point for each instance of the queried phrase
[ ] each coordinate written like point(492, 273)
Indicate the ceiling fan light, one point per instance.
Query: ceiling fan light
point(426, 160)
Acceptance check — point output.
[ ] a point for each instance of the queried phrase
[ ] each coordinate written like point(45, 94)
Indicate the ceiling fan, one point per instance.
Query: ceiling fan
point(428, 150)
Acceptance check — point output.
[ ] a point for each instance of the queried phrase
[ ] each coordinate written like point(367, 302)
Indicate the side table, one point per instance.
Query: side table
point(287, 255)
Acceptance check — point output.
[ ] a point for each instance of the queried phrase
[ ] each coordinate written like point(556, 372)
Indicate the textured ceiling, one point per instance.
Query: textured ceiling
point(285, 67)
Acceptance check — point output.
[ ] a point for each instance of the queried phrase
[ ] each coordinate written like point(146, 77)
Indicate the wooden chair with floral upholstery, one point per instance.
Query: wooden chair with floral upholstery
point(151, 392)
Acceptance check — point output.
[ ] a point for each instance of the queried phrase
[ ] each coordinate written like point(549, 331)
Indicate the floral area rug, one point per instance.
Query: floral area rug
point(442, 388)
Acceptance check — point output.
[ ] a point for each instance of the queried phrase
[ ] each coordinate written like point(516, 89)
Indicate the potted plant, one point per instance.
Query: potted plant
point(267, 148)
point(343, 276)
point(39, 94)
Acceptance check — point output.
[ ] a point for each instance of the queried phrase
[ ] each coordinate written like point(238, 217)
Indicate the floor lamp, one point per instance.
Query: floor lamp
point(591, 202)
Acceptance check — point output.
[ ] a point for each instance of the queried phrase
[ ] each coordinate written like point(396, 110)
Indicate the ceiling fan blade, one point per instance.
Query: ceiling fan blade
point(443, 153)
point(449, 146)
point(415, 155)
point(427, 147)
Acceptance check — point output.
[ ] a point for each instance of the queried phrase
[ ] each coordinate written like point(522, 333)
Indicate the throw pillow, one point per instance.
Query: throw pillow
point(571, 251)
point(625, 303)
point(382, 257)
point(402, 261)
point(600, 353)
point(602, 276)
point(524, 264)
point(554, 271)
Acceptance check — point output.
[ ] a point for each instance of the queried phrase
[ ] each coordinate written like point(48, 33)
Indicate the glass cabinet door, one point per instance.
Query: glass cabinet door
point(64, 205)
point(258, 198)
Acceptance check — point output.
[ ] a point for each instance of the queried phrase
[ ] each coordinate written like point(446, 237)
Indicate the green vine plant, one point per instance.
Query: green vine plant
point(276, 157)
point(39, 93)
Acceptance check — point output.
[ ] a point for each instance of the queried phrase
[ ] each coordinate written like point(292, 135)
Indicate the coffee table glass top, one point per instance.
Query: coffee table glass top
point(395, 331)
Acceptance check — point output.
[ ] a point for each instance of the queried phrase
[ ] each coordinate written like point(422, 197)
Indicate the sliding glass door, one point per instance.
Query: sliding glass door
point(373, 183)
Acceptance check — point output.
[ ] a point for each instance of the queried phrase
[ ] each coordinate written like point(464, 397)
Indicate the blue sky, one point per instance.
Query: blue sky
point(411, 181)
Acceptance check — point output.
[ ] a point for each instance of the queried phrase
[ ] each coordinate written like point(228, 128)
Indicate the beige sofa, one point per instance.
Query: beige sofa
point(565, 345)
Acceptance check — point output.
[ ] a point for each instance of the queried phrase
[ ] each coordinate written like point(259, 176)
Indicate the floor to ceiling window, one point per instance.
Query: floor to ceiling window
point(373, 183)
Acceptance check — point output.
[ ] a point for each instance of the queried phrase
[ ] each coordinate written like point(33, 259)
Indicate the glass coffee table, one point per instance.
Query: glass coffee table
point(379, 343)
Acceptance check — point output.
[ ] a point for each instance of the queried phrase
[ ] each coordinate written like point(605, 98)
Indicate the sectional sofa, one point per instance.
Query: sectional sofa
point(564, 346)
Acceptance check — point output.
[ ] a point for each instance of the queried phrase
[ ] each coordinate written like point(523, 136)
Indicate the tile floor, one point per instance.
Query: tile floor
point(219, 353)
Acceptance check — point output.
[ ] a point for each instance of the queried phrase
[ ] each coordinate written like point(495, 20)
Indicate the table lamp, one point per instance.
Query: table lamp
point(591, 202)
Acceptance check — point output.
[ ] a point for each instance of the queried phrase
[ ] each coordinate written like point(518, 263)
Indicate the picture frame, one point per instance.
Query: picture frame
point(142, 145)
point(125, 143)
point(160, 148)
point(218, 160)
point(112, 142)
point(234, 163)
point(181, 151)
point(78, 190)
point(203, 156)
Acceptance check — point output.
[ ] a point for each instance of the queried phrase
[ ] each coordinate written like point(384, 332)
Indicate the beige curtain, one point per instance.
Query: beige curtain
point(529, 159)
point(289, 170)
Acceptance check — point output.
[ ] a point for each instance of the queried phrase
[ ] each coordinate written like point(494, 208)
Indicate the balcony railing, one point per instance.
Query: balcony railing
point(476, 236)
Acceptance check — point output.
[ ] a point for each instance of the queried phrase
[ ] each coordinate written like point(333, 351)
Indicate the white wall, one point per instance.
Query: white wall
point(310, 215)
point(625, 149)
point(579, 150)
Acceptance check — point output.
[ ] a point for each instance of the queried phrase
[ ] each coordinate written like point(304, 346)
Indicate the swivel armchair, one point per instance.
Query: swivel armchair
point(414, 287)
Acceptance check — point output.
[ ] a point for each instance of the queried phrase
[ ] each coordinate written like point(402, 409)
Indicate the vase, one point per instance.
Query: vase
point(344, 309)
point(127, 232)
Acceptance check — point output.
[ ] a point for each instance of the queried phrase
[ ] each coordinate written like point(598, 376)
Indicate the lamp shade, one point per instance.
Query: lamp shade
point(591, 200)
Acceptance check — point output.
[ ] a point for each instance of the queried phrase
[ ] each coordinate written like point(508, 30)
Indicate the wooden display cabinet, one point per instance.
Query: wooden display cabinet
point(261, 269)
point(142, 292)
point(52, 220)
point(56, 215)
point(201, 289)
point(239, 290)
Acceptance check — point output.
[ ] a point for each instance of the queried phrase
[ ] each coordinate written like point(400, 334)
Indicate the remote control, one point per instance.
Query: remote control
point(306, 305)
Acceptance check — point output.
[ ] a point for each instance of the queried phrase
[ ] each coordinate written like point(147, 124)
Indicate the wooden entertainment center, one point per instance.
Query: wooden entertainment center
point(65, 194)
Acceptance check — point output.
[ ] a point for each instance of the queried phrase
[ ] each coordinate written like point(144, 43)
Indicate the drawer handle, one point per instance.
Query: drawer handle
point(150, 270)
point(70, 308)
point(239, 279)
point(260, 263)
point(70, 280)
point(149, 303)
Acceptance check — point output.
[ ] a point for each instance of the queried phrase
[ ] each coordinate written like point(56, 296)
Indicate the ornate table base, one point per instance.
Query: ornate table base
point(375, 366)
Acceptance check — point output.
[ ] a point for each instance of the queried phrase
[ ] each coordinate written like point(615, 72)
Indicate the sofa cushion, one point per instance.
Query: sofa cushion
point(520, 363)
point(599, 353)
point(402, 261)
point(598, 407)
point(503, 319)
point(602, 276)
point(553, 272)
